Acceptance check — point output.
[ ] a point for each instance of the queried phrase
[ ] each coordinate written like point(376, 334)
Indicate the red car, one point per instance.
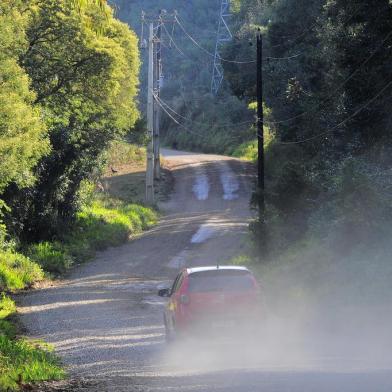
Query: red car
point(208, 299)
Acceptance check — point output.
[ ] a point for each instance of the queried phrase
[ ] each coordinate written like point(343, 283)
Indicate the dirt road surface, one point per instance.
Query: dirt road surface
point(105, 319)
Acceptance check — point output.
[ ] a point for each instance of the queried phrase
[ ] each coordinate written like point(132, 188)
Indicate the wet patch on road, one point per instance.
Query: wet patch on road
point(229, 183)
point(201, 187)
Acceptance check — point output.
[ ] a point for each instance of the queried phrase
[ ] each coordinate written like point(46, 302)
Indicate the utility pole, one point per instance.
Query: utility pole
point(260, 130)
point(157, 83)
point(155, 77)
point(150, 119)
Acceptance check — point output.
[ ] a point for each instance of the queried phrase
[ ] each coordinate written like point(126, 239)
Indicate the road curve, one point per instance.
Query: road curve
point(105, 319)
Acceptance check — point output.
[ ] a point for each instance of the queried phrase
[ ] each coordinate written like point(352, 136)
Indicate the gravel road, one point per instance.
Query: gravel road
point(105, 319)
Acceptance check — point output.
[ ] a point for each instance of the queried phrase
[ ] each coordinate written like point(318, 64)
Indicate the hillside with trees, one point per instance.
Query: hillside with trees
point(207, 123)
point(327, 88)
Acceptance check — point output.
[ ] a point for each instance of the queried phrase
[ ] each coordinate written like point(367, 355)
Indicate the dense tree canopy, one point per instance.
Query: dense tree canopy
point(22, 133)
point(83, 68)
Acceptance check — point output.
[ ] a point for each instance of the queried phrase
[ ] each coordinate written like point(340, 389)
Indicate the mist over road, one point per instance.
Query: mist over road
point(105, 319)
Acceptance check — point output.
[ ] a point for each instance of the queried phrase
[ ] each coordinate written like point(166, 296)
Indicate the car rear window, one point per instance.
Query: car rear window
point(220, 280)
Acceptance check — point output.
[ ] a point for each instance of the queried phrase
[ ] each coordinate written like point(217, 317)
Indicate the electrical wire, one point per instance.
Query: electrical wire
point(233, 125)
point(344, 121)
point(330, 96)
point(174, 43)
point(231, 61)
point(175, 120)
point(159, 102)
point(313, 26)
point(207, 51)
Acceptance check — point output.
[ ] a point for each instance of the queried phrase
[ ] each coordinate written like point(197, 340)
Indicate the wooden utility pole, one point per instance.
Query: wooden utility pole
point(157, 87)
point(155, 78)
point(260, 122)
point(150, 119)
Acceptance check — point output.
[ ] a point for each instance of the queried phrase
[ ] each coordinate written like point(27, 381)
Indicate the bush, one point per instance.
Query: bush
point(247, 151)
point(7, 306)
point(109, 223)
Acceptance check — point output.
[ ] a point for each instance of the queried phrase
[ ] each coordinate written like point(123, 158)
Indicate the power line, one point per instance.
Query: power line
point(231, 125)
point(175, 120)
point(174, 43)
point(161, 104)
point(227, 60)
point(330, 96)
point(344, 121)
point(312, 27)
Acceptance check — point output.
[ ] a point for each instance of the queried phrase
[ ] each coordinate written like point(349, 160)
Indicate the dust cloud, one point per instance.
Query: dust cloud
point(313, 319)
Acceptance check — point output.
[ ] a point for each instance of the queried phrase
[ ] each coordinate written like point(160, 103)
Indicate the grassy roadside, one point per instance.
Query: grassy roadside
point(110, 213)
point(23, 361)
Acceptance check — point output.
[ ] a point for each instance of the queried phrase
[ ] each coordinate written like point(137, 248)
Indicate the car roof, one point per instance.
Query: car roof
point(216, 268)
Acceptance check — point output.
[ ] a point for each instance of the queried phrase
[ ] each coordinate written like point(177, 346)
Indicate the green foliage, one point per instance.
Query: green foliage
point(7, 306)
point(209, 123)
point(241, 260)
point(21, 361)
point(86, 84)
point(247, 150)
point(356, 209)
point(24, 362)
point(98, 225)
point(50, 256)
point(22, 133)
point(109, 223)
point(334, 63)
point(17, 271)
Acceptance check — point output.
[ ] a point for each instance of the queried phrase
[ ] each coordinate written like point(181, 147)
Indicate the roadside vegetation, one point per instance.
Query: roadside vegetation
point(22, 361)
point(69, 73)
point(70, 185)
point(102, 221)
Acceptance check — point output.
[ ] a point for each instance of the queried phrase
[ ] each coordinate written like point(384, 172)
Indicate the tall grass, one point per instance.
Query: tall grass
point(103, 223)
point(21, 361)
point(17, 271)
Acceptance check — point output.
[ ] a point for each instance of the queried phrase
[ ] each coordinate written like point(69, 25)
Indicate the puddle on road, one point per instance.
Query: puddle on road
point(201, 187)
point(230, 183)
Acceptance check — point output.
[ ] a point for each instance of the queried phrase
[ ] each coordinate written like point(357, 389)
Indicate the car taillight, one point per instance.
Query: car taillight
point(184, 299)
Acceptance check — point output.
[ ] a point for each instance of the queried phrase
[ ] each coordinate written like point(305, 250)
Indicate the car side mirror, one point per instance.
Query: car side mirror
point(164, 292)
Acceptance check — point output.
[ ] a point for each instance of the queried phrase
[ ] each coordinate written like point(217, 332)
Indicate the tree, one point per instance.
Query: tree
point(357, 48)
point(22, 133)
point(86, 83)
